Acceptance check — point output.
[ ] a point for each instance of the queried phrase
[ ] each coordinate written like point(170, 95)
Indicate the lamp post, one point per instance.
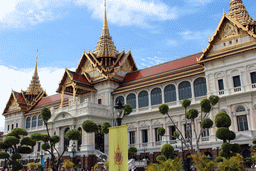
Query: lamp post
point(41, 156)
point(73, 151)
point(119, 107)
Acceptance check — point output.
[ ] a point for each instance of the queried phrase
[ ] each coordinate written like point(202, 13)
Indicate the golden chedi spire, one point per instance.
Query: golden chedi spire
point(239, 13)
point(34, 87)
point(105, 47)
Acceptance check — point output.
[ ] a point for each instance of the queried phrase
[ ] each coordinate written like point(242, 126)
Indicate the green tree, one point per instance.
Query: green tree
point(132, 150)
point(17, 146)
point(50, 141)
point(105, 127)
point(234, 163)
point(167, 150)
point(191, 114)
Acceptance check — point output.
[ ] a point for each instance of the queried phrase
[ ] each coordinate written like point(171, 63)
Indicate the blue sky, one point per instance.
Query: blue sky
point(155, 30)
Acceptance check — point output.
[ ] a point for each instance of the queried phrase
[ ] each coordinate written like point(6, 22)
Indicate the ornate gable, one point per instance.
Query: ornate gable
point(229, 37)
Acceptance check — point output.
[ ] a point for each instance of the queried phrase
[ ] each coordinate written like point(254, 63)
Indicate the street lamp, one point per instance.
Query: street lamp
point(41, 155)
point(119, 110)
point(73, 151)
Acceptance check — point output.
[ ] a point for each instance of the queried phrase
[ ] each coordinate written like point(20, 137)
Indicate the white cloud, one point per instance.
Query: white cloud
point(20, 79)
point(196, 35)
point(18, 13)
point(126, 12)
point(156, 60)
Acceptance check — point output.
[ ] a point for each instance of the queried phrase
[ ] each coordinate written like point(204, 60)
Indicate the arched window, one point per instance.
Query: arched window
point(184, 90)
point(200, 87)
point(66, 141)
point(121, 98)
point(240, 109)
point(40, 121)
point(28, 122)
point(156, 96)
point(131, 99)
point(33, 121)
point(143, 99)
point(169, 93)
point(79, 142)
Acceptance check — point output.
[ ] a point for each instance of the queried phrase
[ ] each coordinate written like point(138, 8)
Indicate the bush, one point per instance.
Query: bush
point(223, 154)
point(37, 136)
point(192, 114)
point(132, 150)
point(16, 156)
point(219, 159)
point(54, 139)
point(226, 147)
point(222, 133)
point(46, 114)
point(46, 146)
point(232, 135)
point(161, 131)
point(73, 134)
point(207, 123)
point(127, 109)
point(161, 158)
point(67, 164)
point(163, 109)
point(11, 140)
point(40, 166)
point(28, 141)
point(17, 166)
point(90, 126)
point(205, 105)
point(167, 150)
point(222, 120)
point(4, 155)
point(176, 134)
point(235, 148)
point(214, 99)
point(104, 127)
point(25, 150)
point(20, 131)
point(185, 103)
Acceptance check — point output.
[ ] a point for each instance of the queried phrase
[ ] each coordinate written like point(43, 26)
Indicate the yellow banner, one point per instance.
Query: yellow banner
point(118, 148)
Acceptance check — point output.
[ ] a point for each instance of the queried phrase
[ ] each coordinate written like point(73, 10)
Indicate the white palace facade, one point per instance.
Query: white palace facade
point(226, 67)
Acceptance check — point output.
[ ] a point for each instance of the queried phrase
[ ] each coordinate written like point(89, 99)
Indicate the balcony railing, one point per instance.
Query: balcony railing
point(237, 89)
point(253, 85)
point(221, 92)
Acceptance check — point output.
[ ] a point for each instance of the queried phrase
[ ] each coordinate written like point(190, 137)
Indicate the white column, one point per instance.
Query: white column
point(193, 93)
point(251, 115)
point(137, 103)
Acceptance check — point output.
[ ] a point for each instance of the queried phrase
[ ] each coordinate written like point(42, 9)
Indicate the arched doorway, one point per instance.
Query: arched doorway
point(66, 141)
point(99, 140)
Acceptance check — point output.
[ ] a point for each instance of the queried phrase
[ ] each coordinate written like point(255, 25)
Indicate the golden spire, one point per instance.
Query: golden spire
point(34, 87)
point(105, 46)
point(239, 13)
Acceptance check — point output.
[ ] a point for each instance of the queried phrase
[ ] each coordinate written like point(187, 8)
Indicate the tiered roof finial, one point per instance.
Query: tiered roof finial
point(34, 87)
point(237, 11)
point(105, 46)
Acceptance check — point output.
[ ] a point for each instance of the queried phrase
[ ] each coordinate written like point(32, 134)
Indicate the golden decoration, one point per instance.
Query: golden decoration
point(118, 158)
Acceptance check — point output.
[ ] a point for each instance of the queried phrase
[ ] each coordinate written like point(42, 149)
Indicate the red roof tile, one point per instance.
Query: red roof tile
point(50, 99)
point(20, 97)
point(162, 68)
point(79, 78)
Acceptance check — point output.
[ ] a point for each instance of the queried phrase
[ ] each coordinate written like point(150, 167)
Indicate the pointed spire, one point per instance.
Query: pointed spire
point(239, 13)
point(34, 87)
point(105, 46)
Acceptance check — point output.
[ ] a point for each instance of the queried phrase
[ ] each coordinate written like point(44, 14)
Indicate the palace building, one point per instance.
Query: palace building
point(226, 67)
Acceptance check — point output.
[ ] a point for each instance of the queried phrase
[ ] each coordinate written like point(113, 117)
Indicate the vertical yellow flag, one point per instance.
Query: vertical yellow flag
point(118, 148)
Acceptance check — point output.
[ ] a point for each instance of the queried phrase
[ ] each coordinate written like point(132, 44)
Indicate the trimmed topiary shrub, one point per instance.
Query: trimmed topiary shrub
point(167, 150)
point(28, 141)
point(104, 127)
point(46, 114)
point(223, 154)
point(161, 131)
point(185, 103)
point(25, 149)
point(161, 158)
point(207, 123)
point(11, 140)
point(226, 147)
point(16, 156)
point(132, 150)
point(4, 155)
point(55, 139)
point(222, 133)
point(232, 135)
point(214, 99)
point(46, 146)
point(73, 134)
point(163, 109)
point(90, 126)
point(222, 120)
point(127, 109)
point(205, 105)
point(219, 159)
point(192, 114)
point(235, 148)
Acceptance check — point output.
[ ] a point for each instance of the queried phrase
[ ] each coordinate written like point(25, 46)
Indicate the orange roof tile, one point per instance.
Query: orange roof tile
point(168, 66)
point(50, 99)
